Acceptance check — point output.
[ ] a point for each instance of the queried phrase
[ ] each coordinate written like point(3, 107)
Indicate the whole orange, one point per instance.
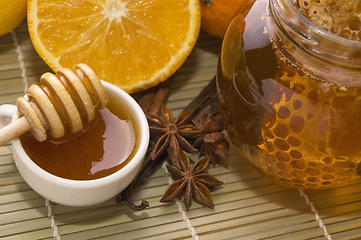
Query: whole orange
point(217, 14)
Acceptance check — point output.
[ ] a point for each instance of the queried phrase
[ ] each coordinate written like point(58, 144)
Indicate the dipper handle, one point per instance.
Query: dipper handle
point(60, 104)
point(13, 130)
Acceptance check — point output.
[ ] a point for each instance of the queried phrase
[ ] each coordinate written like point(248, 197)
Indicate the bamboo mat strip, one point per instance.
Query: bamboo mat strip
point(247, 205)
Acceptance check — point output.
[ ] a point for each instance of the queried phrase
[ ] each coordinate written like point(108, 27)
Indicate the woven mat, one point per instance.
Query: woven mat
point(247, 206)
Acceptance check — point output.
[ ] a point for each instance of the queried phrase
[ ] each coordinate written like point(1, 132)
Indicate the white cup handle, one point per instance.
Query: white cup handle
point(6, 113)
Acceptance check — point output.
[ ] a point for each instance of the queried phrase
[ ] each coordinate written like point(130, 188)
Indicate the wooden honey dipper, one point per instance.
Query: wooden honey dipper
point(60, 104)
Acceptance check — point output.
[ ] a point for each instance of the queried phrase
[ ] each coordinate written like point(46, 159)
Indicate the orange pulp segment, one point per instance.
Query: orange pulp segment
point(134, 44)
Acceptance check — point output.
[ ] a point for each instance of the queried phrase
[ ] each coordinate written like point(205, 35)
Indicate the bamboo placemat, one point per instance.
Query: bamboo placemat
point(247, 205)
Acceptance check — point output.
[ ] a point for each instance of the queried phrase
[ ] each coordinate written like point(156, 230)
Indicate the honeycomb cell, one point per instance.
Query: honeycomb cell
point(313, 172)
point(296, 124)
point(284, 166)
point(283, 112)
point(298, 164)
point(298, 173)
point(322, 146)
point(284, 174)
point(281, 144)
point(282, 156)
point(281, 130)
point(328, 177)
point(293, 141)
point(313, 96)
point(314, 164)
point(268, 134)
point(296, 154)
point(297, 104)
point(329, 169)
point(326, 183)
point(313, 179)
point(272, 159)
point(304, 4)
point(298, 180)
point(346, 33)
point(285, 181)
point(327, 160)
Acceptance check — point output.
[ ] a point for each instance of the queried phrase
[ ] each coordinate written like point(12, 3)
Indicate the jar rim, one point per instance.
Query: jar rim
point(314, 27)
point(313, 39)
point(303, 43)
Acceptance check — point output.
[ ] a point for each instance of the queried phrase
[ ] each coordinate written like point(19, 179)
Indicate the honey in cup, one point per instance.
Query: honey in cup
point(289, 86)
point(104, 146)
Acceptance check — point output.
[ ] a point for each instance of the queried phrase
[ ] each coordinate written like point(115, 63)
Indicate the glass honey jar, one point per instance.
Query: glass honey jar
point(290, 91)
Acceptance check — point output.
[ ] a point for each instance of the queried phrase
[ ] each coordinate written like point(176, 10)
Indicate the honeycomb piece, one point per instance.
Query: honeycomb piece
point(309, 142)
point(342, 18)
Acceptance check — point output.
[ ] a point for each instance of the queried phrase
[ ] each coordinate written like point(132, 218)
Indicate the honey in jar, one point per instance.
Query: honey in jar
point(104, 146)
point(289, 86)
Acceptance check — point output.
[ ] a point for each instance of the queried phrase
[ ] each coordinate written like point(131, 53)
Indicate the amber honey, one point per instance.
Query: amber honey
point(301, 129)
point(104, 146)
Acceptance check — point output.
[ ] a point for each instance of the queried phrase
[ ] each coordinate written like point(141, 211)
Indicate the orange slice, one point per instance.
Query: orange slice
point(134, 44)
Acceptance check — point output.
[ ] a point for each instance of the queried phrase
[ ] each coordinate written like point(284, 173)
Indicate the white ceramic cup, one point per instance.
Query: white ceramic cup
point(82, 192)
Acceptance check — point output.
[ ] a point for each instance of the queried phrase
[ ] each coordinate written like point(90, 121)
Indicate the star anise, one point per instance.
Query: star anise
point(189, 132)
point(191, 182)
point(211, 142)
point(172, 133)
